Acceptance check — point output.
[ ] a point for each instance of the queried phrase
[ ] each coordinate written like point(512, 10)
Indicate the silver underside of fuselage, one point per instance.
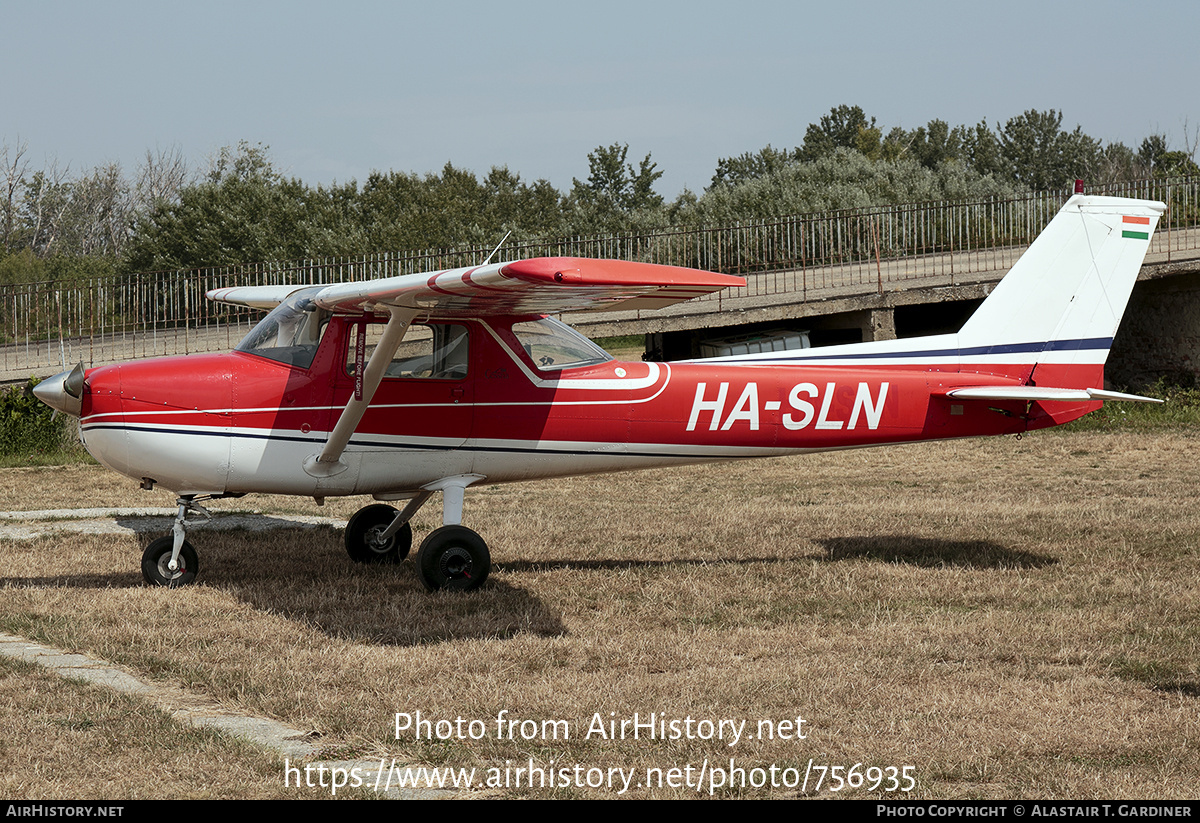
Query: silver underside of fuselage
point(247, 461)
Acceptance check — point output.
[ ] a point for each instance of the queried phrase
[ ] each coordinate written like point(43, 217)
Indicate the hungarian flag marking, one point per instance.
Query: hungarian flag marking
point(1132, 230)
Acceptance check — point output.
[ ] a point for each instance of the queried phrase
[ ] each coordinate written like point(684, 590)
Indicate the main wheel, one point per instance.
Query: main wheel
point(158, 555)
point(453, 557)
point(363, 542)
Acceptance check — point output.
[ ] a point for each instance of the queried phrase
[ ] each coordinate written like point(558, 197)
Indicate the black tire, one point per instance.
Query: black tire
point(453, 557)
point(158, 555)
point(368, 522)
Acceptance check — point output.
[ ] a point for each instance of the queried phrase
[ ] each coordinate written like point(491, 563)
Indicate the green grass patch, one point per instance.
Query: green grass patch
point(1180, 410)
point(624, 347)
point(66, 456)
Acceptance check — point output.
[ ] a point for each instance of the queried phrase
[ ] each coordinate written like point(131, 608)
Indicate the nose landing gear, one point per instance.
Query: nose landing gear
point(171, 561)
point(156, 563)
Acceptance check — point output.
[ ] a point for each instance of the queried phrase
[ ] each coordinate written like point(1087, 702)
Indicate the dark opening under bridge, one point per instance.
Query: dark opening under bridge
point(848, 274)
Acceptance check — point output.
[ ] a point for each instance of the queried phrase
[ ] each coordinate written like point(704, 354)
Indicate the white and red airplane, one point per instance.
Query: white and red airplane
point(406, 386)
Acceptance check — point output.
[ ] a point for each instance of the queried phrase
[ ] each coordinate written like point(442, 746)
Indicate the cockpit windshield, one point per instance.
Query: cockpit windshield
point(291, 332)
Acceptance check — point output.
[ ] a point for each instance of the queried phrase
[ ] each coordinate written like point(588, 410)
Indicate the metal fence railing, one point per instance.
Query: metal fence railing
point(44, 326)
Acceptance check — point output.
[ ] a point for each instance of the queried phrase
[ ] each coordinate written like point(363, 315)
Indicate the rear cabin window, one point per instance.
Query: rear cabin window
point(437, 351)
point(553, 346)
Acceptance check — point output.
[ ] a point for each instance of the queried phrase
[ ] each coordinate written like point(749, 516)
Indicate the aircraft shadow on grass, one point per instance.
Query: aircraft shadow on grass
point(309, 581)
point(931, 552)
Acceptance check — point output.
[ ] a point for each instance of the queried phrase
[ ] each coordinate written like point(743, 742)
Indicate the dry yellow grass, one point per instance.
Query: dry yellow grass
point(1010, 618)
point(65, 740)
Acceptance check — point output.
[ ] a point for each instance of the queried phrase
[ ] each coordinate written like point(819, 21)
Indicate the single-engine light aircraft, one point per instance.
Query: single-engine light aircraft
point(406, 386)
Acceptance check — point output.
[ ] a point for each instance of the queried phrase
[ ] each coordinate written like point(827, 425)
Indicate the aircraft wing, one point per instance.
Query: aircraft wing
point(544, 285)
point(255, 297)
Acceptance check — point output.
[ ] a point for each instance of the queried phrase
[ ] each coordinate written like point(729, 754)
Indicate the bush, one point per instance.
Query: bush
point(31, 433)
point(25, 267)
point(1179, 412)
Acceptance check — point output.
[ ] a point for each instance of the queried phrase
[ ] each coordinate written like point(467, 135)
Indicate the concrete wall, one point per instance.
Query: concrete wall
point(1159, 336)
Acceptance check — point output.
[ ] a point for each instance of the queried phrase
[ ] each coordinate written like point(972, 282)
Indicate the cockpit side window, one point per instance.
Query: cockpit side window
point(291, 333)
point(436, 351)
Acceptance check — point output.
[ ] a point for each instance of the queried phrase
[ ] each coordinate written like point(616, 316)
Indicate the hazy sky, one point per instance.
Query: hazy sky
point(337, 91)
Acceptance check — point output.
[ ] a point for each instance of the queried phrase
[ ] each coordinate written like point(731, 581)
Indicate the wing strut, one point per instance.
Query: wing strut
point(329, 461)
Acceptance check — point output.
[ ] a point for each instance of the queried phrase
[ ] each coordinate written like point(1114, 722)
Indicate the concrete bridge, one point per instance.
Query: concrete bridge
point(928, 294)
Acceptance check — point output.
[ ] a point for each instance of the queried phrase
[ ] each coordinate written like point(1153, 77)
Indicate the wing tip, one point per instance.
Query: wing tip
point(600, 272)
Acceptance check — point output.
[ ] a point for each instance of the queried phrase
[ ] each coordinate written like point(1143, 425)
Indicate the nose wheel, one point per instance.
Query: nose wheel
point(171, 561)
point(156, 563)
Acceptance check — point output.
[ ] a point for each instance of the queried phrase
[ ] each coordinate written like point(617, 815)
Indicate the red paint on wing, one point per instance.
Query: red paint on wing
point(585, 271)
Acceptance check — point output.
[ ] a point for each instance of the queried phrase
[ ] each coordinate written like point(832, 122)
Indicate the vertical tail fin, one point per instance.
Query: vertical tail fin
point(1060, 305)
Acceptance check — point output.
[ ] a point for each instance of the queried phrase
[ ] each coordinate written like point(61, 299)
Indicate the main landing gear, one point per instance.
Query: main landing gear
point(369, 538)
point(451, 557)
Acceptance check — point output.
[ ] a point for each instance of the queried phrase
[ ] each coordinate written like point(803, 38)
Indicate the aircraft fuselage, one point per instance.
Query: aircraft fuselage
point(239, 422)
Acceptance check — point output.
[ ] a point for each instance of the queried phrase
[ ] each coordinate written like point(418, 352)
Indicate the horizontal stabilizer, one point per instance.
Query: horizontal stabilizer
point(1036, 393)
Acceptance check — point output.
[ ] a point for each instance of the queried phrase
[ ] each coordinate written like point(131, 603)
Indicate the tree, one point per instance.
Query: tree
point(43, 209)
point(402, 211)
point(844, 179)
point(525, 210)
point(843, 127)
point(981, 150)
point(1159, 161)
point(14, 169)
point(733, 170)
point(160, 177)
point(1041, 155)
point(1117, 163)
point(935, 143)
point(1151, 151)
point(614, 185)
point(895, 146)
point(242, 211)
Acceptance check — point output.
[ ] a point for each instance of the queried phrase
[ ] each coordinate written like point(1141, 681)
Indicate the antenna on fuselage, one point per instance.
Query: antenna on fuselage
point(498, 245)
